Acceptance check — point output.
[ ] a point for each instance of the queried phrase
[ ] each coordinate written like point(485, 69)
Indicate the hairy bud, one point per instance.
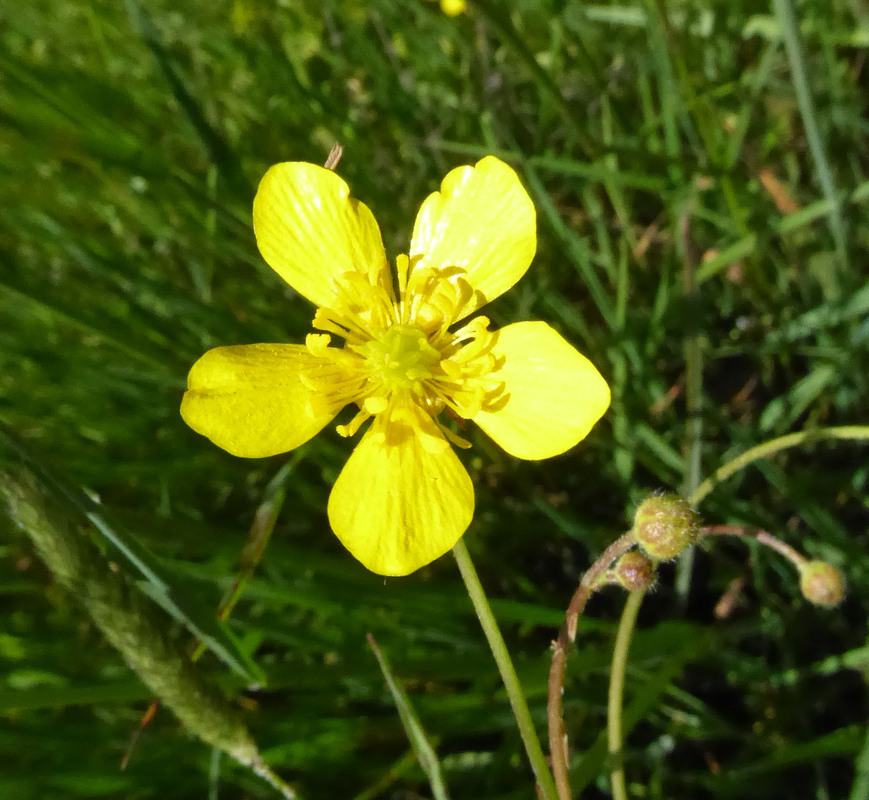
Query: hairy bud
point(634, 572)
point(821, 583)
point(664, 526)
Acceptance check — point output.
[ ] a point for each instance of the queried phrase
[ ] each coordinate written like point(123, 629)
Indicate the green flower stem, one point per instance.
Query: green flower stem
point(853, 432)
point(616, 693)
point(508, 672)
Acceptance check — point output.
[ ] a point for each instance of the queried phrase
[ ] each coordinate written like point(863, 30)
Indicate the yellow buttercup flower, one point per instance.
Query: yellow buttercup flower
point(453, 8)
point(403, 499)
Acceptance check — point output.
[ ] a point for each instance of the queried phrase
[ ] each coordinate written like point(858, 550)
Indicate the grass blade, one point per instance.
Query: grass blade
point(425, 753)
point(786, 15)
point(218, 148)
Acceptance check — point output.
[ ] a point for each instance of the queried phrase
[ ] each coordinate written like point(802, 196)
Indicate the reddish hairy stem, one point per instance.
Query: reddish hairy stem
point(796, 558)
point(588, 585)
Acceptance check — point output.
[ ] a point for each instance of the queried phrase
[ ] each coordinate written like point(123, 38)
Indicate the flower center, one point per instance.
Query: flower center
point(398, 350)
point(400, 359)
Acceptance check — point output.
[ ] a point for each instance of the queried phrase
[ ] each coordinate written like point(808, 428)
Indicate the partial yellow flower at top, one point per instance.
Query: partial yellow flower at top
point(403, 499)
point(453, 8)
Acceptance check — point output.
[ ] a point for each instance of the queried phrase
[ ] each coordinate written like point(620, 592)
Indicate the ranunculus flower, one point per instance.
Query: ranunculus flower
point(409, 349)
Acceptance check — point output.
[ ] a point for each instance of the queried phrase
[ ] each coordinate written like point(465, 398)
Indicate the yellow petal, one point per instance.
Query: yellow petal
point(553, 394)
point(483, 221)
point(310, 231)
point(404, 498)
point(250, 401)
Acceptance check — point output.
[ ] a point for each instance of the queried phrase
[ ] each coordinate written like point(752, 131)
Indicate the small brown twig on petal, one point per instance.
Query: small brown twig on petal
point(334, 156)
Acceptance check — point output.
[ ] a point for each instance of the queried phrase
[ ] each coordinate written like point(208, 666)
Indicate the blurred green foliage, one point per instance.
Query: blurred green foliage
point(683, 218)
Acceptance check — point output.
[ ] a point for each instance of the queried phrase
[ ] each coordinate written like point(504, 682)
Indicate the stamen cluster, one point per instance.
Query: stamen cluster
point(398, 347)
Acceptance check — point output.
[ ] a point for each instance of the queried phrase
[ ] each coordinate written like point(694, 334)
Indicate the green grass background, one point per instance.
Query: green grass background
point(724, 310)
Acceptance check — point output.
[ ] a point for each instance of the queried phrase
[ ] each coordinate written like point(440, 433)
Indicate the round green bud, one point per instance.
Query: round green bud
point(821, 583)
point(664, 526)
point(634, 571)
